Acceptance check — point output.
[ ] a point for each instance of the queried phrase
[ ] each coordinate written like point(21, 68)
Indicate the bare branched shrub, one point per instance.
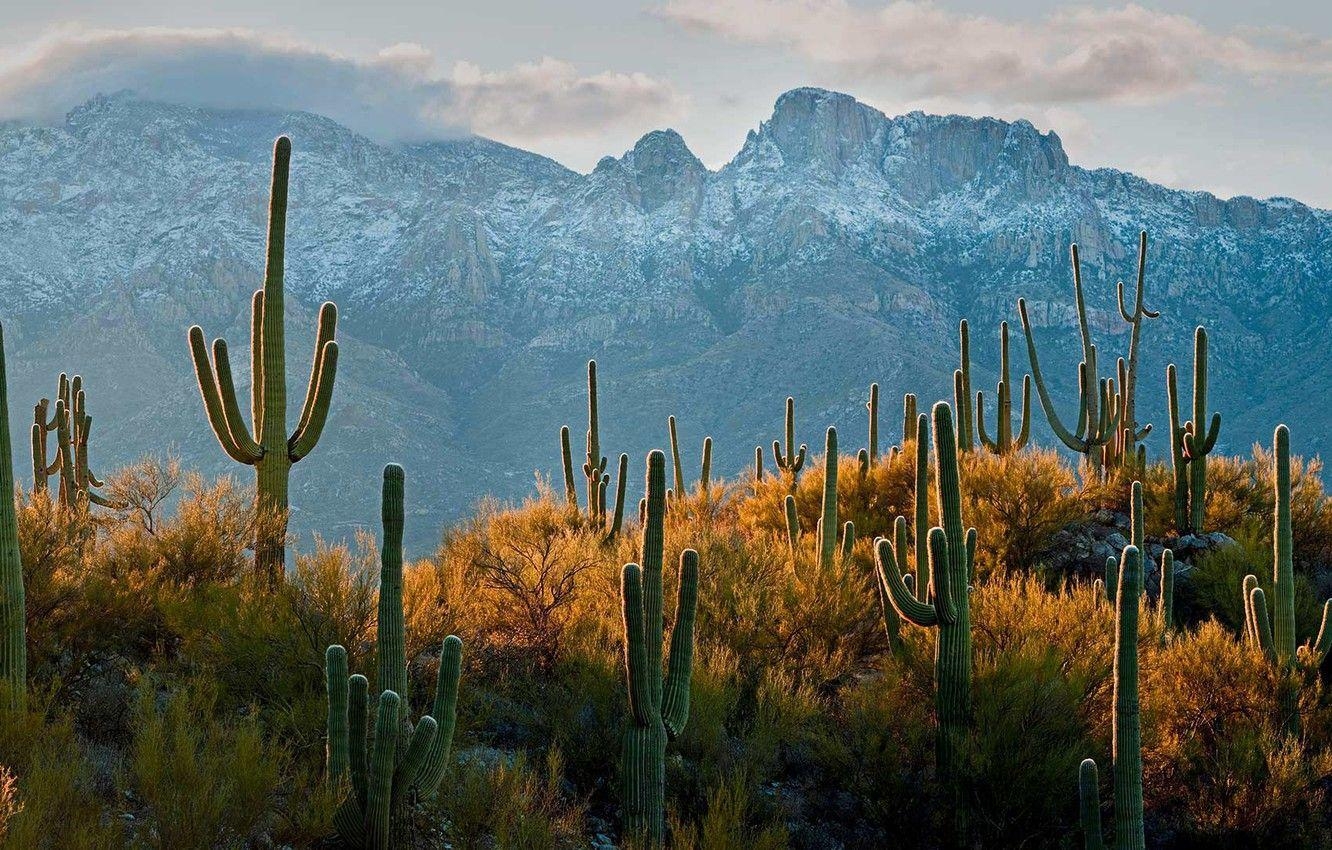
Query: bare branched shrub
point(143, 489)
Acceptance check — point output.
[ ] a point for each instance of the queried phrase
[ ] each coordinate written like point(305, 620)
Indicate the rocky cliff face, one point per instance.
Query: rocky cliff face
point(839, 247)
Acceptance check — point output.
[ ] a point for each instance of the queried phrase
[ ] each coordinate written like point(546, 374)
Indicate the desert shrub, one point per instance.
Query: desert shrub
point(1213, 587)
point(142, 489)
point(728, 822)
point(10, 805)
point(207, 539)
point(333, 596)
point(203, 782)
point(1017, 503)
point(1214, 758)
point(499, 800)
point(527, 563)
point(59, 795)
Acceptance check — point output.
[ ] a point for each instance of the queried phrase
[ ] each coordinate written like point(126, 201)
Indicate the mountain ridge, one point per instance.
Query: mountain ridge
point(838, 246)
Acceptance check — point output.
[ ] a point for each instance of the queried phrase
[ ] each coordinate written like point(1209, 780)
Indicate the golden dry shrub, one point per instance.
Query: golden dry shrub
point(333, 593)
point(10, 802)
point(208, 538)
point(1017, 504)
point(142, 490)
point(1214, 757)
point(872, 501)
point(527, 567)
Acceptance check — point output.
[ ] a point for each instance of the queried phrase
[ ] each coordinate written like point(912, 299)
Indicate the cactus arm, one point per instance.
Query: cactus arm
point(392, 650)
point(257, 359)
point(872, 407)
point(679, 665)
point(1258, 602)
point(943, 590)
point(792, 523)
point(1024, 431)
point(321, 386)
point(985, 440)
point(906, 604)
point(213, 404)
point(325, 331)
point(445, 712)
point(675, 455)
point(1250, 624)
point(1213, 431)
point(1323, 642)
point(1089, 800)
point(358, 703)
point(379, 789)
point(1065, 436)
point(566, 458)
point(413, 760)
point(777, 459)
point(335, 748)
point(635, 644)
point(706, 475)
point(848, 539)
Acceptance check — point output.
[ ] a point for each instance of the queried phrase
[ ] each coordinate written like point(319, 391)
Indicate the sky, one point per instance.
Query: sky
point(1223, 96)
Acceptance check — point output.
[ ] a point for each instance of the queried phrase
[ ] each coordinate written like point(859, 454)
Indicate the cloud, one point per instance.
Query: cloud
point(399, 93)
point(1128, 54)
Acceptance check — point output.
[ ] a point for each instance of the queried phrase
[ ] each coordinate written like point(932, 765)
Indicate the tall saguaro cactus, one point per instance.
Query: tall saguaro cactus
point(1190, 443)
point(406, 759)
point(595, 477)
point(13, 625)
point(1124, 448)
point(1127, 731)
point(658, 703)
point(269, 449)
point(962, 389)
point(872, 407)
point(945, 607)
point(1277, 636)
point(828, 519)
point(1004, 442)
point(1096, 423)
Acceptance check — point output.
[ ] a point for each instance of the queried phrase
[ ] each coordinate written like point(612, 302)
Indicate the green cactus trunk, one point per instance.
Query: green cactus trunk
point(13, 624)
point(872, 406)
point(962, 389)
point(269, 449)
point(793, 460)
point(1089, 799)
point(828, 523)
point(1004, 442)
point(946, 607)
point(1129, 834)
point(658, 705)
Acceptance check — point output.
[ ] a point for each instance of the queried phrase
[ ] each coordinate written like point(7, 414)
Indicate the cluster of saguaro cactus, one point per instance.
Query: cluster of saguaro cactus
point(1191, 442)
point(827, 528)
point(1276, 636)
point(945, 606)
point(1127, 733)
point(269, 448)
point(790, 463)
point(868, 457)
point(596, 478)
point(1109, 587)
point(1097, 421)
point(658, 703)
point(1126, 446)
point(705, 470)
point(72, 425)
point(1004, 442)
point(13, 624)
point(406, 760)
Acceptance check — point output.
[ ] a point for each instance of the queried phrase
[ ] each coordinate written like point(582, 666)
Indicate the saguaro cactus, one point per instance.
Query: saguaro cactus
point(13, 625)
point(872, 406)
point(406, 759)
point(1096, 425)
point(793, 461)
point(1277, 636)
point(1004, 442)
point(596, 479)
point(1189, 443)
point(828, 519)
point(962, 389)
point(73, 426)
point(270, 450)
point(658, 704)
point(908, 417)
point(1124, 448)
point(1127, 733)
point(43, 464)
point(705, 473)
point(946, 607)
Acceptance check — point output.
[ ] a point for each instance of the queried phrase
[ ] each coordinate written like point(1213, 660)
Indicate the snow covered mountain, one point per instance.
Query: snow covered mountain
point(838, 247)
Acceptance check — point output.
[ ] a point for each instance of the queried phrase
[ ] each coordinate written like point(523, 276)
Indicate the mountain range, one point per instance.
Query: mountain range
point(839, 246)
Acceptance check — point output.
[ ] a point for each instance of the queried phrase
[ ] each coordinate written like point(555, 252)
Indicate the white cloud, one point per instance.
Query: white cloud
point(399, 93)
point(1128, 54)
